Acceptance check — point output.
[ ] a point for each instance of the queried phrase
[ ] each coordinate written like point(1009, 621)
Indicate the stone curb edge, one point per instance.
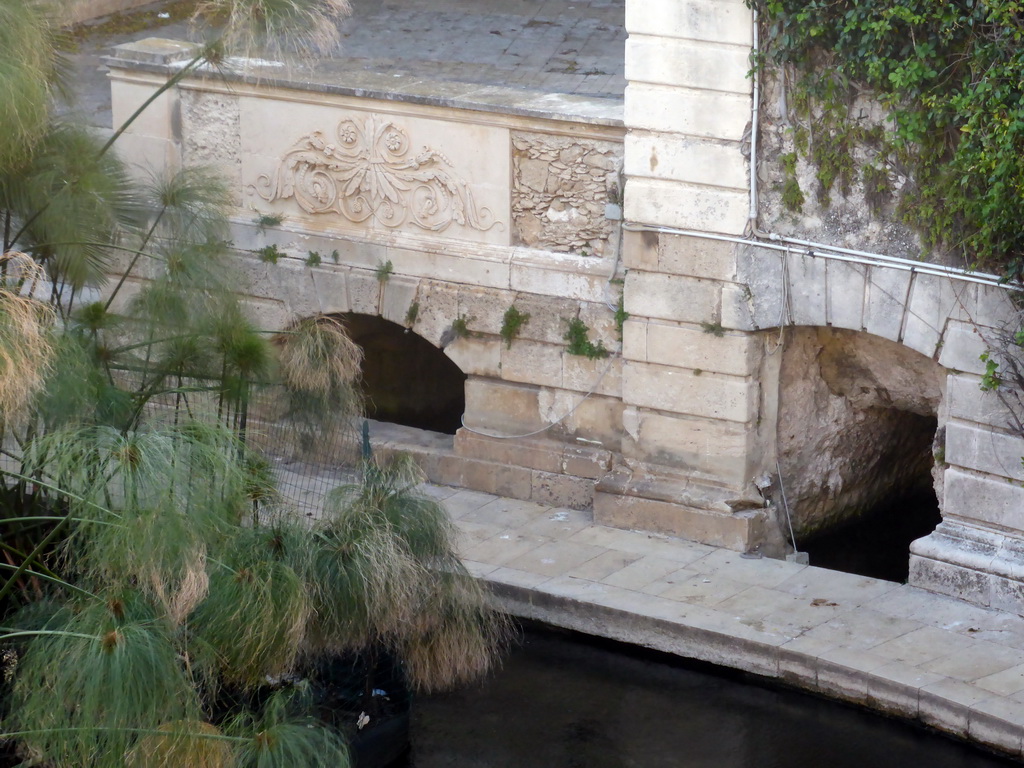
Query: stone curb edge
point(993, 723)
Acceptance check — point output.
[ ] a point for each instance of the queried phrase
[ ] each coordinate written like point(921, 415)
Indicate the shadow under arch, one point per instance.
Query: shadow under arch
point(405, 379)
point(858, 440)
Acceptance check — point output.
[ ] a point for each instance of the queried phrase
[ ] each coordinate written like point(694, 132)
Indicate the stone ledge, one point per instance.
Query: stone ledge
point(963, 561)
point(705, 635)
point(679, 507)
point(543, 454)
point(441, 462)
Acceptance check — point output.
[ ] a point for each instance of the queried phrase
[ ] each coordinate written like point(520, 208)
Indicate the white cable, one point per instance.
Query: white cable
point(785, 505)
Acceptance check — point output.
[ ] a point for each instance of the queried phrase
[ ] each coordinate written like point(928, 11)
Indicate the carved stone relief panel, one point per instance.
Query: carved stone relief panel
point(560, 186)
point(345, 169)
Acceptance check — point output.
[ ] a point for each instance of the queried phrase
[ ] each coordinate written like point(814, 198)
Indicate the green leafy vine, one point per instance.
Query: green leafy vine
point(949, 75)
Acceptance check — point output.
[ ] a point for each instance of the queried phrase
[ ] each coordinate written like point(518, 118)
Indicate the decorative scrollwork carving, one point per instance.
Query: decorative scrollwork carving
point(369, 173)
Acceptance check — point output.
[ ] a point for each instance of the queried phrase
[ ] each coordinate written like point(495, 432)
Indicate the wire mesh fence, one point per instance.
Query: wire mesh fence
point(310, 451)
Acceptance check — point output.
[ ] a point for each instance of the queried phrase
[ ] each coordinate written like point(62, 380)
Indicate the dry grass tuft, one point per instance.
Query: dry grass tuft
point(304, 27)
point(183, 743)
point(317, 357)
point(189, 592)
point(26, 346)
point(459, 637)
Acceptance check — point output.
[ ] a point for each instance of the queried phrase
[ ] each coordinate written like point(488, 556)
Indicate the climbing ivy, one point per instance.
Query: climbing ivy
point(950, 75)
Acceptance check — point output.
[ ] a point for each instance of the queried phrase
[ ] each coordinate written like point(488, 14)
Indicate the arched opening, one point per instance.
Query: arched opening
point(857, 444)
point(405, 379)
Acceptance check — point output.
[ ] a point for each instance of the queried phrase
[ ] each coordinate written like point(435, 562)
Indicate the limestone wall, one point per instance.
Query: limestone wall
point(464, 210)
point(430, 216)
point(692, 401)
point(704, 392)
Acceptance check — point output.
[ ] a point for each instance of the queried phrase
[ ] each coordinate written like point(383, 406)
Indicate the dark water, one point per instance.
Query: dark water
point(878, 544)
point(562, 702)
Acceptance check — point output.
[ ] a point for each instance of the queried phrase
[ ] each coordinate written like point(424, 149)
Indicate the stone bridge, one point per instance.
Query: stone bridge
point(756, 386)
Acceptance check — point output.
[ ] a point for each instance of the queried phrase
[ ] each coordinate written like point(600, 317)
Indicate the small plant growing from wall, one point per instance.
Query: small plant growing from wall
point(579, 344)
point(512, 323)
point(264, 220)
point(411, 314)
point(460, 327)
point(384, 271)
point(715, 328)
point(269, 253)
point(313, 259)
point(792, 195)
point(621, 315)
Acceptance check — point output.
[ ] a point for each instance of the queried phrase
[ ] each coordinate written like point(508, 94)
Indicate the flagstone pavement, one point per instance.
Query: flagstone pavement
point(887, 646)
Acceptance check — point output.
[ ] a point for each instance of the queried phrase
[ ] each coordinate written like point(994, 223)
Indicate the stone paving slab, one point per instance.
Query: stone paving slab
point(882, 645)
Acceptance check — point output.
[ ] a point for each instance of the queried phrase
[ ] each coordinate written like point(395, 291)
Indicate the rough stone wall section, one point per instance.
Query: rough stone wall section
point(210, 129)
point(560, 186)
point(847, 218)
point(857, 420)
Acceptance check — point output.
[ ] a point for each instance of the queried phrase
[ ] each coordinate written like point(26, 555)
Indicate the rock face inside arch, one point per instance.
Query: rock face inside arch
point(857, 424)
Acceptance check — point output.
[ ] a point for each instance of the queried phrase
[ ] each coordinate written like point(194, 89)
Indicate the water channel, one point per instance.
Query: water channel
point(564, 701)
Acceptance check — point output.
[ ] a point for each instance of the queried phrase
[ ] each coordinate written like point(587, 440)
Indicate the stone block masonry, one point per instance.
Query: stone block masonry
point(509, 209)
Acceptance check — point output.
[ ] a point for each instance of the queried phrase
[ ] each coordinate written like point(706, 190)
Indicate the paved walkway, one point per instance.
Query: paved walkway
point(884, 645)
point(549, 46)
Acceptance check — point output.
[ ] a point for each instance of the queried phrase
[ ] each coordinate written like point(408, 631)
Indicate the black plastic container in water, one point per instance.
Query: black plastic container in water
point(563, 701)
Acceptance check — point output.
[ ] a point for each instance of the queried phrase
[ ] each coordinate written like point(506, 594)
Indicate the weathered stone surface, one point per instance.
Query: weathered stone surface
point(438, 309)
point(685, 159)
point(737, 532)
point(697, 257)
point(968, 402)
point(478, 357)
point(717, 21)
point(680, 391)
point(845, 297)
point(364, 292)
point(670, 109)
point(962, 347)
point(496, 407)
point(209, 135)
point(885, 302)
point(533, 362)
point(716, 450)
point(983, 498)
point(563, 275)
point(984, 450)
point(602, 376)
point(670, 297)
point(331, 289)
point(484, 308)
point(762, 304)
point(686, 346)
point(856, 423)
point(686, 206)
point(559, 205)
point(687, 63)
point(806, 289)
point(398, 295)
